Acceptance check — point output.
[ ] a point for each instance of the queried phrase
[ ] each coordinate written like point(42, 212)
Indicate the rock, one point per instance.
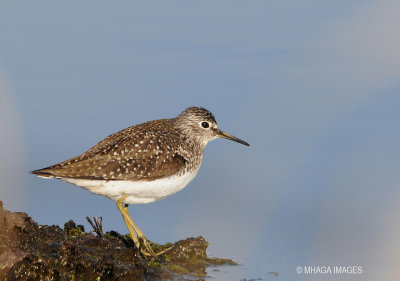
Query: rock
point(29, 251)
point(10, 226)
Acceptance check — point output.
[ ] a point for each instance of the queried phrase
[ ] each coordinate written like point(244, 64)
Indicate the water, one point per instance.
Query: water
point(318, 187)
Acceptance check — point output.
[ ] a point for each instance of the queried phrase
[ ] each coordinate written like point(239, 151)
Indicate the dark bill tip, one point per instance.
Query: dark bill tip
point(225, 135)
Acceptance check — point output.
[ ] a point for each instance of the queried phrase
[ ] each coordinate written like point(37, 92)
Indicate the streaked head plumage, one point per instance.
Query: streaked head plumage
point(200, 124)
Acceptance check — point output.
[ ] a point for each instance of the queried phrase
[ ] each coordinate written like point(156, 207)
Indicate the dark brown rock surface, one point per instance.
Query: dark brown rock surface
point(29, 251)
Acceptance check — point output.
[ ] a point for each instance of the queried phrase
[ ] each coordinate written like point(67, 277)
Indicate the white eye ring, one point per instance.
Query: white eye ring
point(205, 124)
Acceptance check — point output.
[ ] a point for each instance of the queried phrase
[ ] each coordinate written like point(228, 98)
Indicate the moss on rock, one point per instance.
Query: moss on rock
point(29, 251)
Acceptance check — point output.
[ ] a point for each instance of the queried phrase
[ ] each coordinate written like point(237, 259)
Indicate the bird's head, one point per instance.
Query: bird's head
point(199, 123)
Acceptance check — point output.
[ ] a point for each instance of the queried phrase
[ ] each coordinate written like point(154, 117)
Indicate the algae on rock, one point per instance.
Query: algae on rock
point(29, 251)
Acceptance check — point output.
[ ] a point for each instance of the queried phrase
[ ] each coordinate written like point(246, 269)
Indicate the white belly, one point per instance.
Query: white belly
point(139, 192)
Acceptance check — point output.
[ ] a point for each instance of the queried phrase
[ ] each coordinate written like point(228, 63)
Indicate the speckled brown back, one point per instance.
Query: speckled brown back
point(146, 151)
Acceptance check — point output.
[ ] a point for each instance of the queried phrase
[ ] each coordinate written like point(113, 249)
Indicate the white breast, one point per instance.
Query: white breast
point(139, 192)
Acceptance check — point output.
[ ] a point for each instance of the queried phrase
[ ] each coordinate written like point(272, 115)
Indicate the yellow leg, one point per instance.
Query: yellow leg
point(131, 231)
point(143, 243)
point(138, 236)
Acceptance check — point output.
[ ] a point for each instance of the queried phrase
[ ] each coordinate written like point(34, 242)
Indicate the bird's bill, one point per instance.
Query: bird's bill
point(225, 135)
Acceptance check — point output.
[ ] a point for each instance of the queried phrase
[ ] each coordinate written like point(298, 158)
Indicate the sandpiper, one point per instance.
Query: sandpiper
point(143, 163)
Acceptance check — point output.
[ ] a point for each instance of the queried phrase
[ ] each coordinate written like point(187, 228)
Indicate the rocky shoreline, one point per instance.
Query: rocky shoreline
point(29, 251)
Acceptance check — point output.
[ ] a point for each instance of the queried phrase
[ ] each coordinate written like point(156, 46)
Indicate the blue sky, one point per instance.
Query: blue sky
point(313, 87)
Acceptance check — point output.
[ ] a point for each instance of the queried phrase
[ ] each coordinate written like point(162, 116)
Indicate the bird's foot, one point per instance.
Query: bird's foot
point(146, 249)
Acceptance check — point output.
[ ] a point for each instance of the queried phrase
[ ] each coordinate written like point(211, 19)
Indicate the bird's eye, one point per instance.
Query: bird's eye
point(205, 125)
